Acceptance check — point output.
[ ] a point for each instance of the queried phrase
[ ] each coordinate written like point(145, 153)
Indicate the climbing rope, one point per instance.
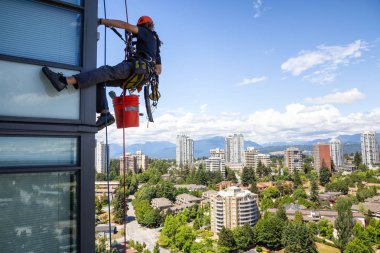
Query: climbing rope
point(107, 147)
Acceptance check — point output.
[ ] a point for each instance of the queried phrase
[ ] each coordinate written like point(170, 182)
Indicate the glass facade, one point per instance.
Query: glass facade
point(40, 31)
point(20, 151)
point(38, 212)
point(29, 94)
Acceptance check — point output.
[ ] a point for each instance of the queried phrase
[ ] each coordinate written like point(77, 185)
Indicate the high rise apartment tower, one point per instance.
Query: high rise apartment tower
point(370, 148)
point(184, 150)
point(234, 148)
point(293, 159)
point(321, 155)
point(100, 157)
point(336, 151)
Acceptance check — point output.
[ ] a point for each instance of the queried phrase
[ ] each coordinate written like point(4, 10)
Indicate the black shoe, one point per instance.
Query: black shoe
point(56, 79)
point(101, 122)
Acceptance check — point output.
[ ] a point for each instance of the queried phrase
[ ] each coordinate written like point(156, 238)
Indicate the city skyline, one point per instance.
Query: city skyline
point(300, 81)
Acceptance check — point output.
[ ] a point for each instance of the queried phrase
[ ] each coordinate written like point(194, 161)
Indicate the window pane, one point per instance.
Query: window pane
point(38, 151)
point(39, 31)
point(26, 92)
point(38, 212)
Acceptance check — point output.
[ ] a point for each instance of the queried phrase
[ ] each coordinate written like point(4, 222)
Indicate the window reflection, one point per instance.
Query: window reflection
point(38, 151)
point(38, 212)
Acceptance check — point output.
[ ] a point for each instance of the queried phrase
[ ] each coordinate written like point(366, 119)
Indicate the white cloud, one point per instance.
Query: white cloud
point(257, 7)
point(203, 108)
point(325, 61)
point(295, 123)
point(248, 81)
point(346, 97)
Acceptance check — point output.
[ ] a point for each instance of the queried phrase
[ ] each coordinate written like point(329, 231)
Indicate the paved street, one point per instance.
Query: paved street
point(138, 233)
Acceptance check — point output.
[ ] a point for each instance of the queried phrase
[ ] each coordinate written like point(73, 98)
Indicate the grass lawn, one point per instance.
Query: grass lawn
point(322, 248)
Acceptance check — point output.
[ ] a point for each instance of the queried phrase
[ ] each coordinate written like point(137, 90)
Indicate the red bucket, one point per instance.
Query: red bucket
point(127, 113)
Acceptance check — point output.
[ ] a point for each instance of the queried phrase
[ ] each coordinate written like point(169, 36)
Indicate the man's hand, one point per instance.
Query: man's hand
point(158, 69)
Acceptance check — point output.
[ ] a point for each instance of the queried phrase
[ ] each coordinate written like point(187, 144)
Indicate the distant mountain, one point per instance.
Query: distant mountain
point(154, 149)
point(165, 149)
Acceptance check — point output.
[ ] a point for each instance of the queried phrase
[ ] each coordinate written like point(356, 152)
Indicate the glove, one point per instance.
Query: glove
point(100, 21)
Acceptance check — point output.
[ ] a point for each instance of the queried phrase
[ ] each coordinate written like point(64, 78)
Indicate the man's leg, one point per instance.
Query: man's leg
point(89, 78)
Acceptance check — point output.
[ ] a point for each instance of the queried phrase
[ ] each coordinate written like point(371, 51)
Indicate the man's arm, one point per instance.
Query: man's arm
point(119, 24)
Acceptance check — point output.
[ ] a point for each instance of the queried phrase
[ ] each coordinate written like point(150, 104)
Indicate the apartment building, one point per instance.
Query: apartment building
point(101, 157)
point(321, 156)
point(370, 148)
point(234, 148)
point(252, 158)
point(233, 207)
point(216, 164)
point(336, 151)
point(293, 159)
point(184, 150)
point(217, 152)
point(134, 163)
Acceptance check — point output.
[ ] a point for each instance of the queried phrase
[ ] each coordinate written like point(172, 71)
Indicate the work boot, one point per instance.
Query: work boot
point(56, 79)
point(101, 122)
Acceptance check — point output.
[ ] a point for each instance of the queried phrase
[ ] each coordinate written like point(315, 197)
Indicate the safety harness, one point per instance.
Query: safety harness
point(144, 72)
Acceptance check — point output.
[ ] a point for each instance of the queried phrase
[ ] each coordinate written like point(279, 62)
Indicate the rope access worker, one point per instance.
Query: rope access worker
point(147, 49)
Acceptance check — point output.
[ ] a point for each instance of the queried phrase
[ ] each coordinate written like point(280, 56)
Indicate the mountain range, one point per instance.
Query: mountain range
point(166, 150)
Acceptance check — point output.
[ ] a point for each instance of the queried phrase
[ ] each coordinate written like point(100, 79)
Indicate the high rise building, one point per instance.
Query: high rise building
point(370, 148)
point(336, 151)
point(217, 153)
point(321, 155)
point(184, 150)
point(234, 148)
point(216, 164)
point(293, 159)
point(252, 158)
point(233, 207)
point(134, 163)
point(100, 157)
point(249, 157)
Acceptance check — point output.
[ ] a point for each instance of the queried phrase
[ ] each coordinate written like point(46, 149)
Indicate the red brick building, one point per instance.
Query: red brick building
point(321, 154)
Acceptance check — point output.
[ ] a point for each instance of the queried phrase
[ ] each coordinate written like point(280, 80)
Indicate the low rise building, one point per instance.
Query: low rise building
point(371, 204)
point(329, 196)
point(224, 184)
point(161, 203)
point(101, 188)
point(187, 199)
point(191, 187)
point(316, 215)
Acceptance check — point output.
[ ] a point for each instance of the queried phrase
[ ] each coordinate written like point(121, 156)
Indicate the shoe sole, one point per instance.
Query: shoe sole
point(110, 122)
point(56, 84)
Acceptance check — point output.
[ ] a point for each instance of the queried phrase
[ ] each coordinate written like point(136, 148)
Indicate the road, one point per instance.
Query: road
point(139, 233)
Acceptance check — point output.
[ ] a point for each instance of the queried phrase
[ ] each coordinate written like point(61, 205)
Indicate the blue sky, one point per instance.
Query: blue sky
point(274, 70)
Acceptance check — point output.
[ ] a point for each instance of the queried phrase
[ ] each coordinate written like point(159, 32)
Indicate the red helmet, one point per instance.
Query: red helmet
point(144, 19)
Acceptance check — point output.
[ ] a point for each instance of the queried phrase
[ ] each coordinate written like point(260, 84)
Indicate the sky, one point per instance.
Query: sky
point(273, 70)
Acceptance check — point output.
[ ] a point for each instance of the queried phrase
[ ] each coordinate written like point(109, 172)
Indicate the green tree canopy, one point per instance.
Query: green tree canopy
point(296, 237)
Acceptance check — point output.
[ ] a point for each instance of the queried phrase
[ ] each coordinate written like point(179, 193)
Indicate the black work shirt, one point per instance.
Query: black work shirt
point(147, 43)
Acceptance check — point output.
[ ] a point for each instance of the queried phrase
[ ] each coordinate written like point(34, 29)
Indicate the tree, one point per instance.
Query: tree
point(357, 159)
point(268, 232)
point(246, 176)
point(298, 217)
point(156, 248)
point(98, 206)
point(296, 237)
point(314, 196)
point(231, 175)
point(226, 238)
point(184, 237)
point(253, 187)
point(343, 223)
point(296, 179)
point(281, 213)
point(324, 176)
point(118, 206)
point(357, 246)
point(243, 237)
